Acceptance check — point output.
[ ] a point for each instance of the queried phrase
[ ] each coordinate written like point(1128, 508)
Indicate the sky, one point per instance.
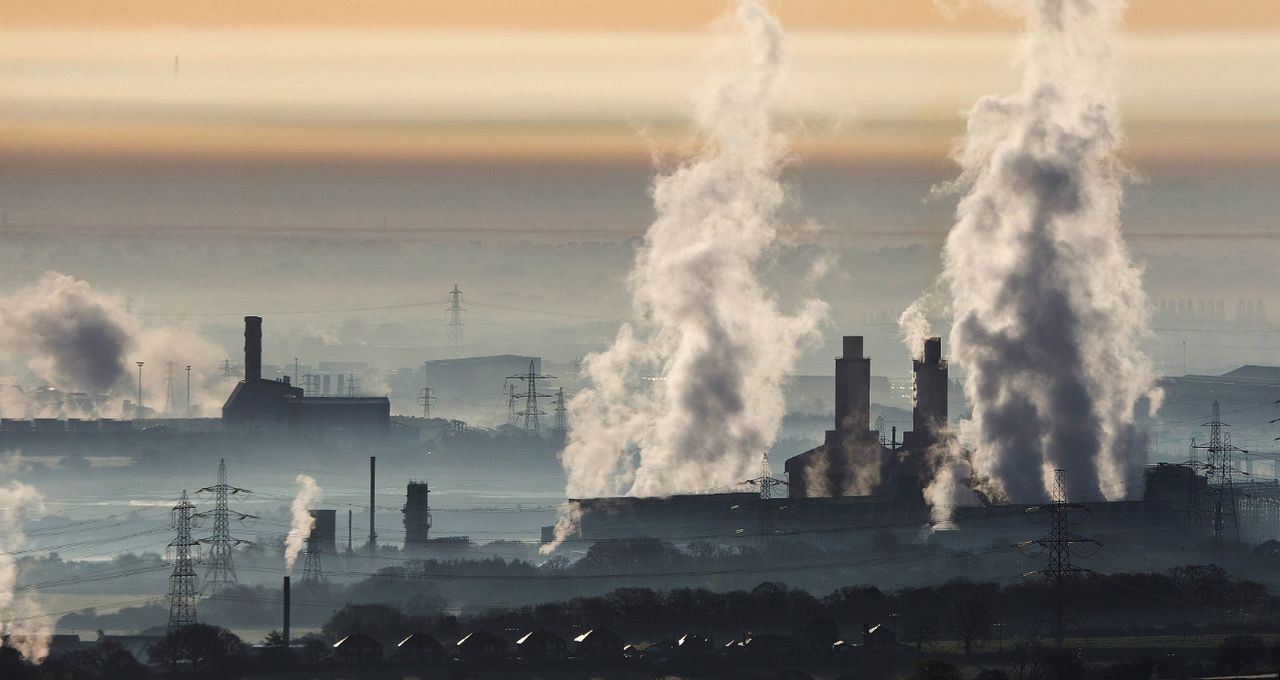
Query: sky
point(220, 158)
point(578, 80)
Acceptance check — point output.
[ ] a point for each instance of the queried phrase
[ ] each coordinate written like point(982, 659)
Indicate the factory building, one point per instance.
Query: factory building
point(259, 403)
point(855, 460)
point(469, 387)
point(860, 484)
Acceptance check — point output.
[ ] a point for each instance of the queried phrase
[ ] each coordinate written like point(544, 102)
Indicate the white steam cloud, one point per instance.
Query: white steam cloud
point(21, 616)
point(301, 523)
point(1048, 307)
point(83, 343)
point(688, 397)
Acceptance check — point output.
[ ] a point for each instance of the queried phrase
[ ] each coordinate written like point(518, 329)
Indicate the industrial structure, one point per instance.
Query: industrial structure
point(417, 517)
point(221, 572)
point(859, 485)
point(853, 460)
point(467, 386)
point(182, 582)
point(258, 403)
point(323, 537)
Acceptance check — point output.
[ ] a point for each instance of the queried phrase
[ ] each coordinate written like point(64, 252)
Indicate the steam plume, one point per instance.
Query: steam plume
point(20, 614)
point(1047, 305)
point(302, 521)
point(80, 340)
point(688, 396)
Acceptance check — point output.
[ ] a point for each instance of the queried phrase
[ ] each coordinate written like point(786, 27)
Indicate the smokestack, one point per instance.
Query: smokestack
point(933, 350)
point(929, 415)
point(853, 389)
point(285, 633)
point(373, 536)
point(252, 348)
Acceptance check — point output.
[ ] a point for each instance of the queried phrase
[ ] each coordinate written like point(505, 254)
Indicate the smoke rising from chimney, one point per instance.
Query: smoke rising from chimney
point(1047, 305)
point(301, 522)
point(688, 396)
point(20, 613)
point(78, 339)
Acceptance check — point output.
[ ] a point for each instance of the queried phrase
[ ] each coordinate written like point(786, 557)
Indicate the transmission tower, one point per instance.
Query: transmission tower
point(182, 583)
point(351, 385)
point(530, 396)
point(561, 411)
point(1219, 473)
point(509, 389)
point(228, 368)
point(222, 569)
point(425, 398)
point(1059, 573)
point(456, 331)
point(169, 372)
point(766, 482)
point(311, 571)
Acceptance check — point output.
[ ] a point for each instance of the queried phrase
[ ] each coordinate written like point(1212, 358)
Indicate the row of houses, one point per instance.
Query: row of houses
point(598, 645)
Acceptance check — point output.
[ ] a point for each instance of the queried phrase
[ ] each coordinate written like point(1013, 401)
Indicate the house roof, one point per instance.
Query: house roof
point(599, 635)
point(419, 640)
point(538, 636)
point(480, 637)
point(356, 639)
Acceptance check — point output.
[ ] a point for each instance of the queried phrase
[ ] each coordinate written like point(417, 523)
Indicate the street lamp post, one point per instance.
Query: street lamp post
point(188, 390)
point(140, 387)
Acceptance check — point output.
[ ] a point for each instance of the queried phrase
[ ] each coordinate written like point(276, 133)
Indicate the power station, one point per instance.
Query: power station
point(858, 486)
point(259, 403)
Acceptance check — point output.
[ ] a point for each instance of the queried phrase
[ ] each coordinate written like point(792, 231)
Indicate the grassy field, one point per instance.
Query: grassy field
point(1136, 643)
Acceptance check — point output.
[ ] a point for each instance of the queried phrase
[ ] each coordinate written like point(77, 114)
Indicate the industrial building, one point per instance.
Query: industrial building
point(417, 517)
point(861, 483)
point(855, 460)
point(471, 388)
point(324, 531)
point(259, 403)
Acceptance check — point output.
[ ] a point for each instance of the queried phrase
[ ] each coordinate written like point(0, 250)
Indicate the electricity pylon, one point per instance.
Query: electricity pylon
point(222, 569)
point(766, 482)
point(457, 336)
point(425, 398)
point(1059, 573)
point(531, 396)
point(1219, 473)
point(182, 582)
point(561, 411)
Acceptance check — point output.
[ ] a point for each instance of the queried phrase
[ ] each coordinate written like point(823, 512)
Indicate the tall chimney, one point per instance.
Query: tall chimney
point(933, 350)
point(373, 536)
point(252, 348)
point(853, 389)
point(929, 416)
point(285, 633)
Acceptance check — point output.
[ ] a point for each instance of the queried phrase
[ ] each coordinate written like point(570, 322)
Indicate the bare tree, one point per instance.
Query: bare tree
point(921, 628)
point(971, 623)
